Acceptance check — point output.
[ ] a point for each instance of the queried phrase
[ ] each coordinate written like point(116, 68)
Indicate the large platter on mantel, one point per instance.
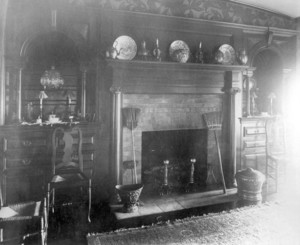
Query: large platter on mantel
point(228, 54)
point(126, 48)
point(179, 51)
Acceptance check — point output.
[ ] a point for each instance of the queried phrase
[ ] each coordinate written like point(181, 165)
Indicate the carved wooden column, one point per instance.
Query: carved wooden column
point(3, 16)
point(117, 134)
point(20, 77)
point(232, 110)
point(231, 92)
point(83, 69)
point(246, 78)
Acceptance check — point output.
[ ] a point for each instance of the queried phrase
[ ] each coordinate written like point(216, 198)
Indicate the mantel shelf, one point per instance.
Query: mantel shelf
point(155, 65)
point(136, 76)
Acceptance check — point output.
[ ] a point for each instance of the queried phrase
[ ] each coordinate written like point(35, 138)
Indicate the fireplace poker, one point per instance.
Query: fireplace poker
point(133, 147)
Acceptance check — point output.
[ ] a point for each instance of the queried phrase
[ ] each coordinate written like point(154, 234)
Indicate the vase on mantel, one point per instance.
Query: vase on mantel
point(199, 54)
point(157, 51)
point(143, 52)
point(242, 57)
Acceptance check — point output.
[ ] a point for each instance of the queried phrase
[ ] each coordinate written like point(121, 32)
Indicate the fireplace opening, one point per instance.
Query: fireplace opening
point(174, 159)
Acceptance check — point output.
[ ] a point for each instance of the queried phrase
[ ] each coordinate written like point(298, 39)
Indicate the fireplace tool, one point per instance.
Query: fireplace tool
point(130, 117)
point(165, 189)
point(213, 122)
point(191, 184)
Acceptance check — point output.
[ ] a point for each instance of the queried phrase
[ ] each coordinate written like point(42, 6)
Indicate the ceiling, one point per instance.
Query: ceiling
point(286, 7)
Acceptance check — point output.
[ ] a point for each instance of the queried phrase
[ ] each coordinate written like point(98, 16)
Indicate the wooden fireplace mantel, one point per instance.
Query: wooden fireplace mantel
point(148, 77)
point(170, 77)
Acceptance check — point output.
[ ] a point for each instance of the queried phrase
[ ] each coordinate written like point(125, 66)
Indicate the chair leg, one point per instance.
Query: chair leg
point(90, 201)
point(43, 232)
point(53, 200)
point(1, 235)
point(267, 175)
point(48, 197)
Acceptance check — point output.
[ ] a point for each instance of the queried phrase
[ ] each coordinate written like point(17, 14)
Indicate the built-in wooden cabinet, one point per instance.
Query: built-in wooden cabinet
point(26, 158)
point(253, 143)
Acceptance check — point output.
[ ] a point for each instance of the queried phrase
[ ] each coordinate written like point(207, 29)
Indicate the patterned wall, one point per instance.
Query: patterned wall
point(217, 10)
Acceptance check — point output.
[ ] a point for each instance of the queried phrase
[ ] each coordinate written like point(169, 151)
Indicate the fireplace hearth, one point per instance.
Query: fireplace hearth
point(174, 161)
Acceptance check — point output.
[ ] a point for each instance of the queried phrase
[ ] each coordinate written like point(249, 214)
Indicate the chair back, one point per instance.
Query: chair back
point(275, 136)
point(66, 149)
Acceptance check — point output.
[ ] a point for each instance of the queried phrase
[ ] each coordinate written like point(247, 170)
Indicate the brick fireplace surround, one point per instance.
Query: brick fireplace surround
point(161, 112)
point(173, 96)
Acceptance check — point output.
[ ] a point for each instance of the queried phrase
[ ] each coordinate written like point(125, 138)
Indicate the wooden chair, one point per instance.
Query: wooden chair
point(67, 166)
point(276, 151)
point(20, 221)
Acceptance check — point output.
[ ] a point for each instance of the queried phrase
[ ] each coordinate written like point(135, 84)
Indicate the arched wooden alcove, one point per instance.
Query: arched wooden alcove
point(40, 54)
point(267, 57)
point(269, 77)
point(68, 53)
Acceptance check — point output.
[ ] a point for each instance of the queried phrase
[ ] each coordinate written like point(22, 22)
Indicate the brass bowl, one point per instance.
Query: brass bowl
point(130, 195)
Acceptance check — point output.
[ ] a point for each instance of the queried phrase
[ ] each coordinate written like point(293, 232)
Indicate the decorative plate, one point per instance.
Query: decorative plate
point(179, 51)
point(126, 48)
point(228, 53)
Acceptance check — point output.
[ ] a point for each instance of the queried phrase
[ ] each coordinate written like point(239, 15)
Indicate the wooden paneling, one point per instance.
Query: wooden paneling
point(170, 77)
point(26, 158)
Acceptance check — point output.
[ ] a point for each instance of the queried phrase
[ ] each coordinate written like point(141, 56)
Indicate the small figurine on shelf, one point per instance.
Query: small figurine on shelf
point(253, 98)
point(112, 52)
point(219, 57)
point(271, 98)
point(157, 51)
point(29, 112)
point(39, 120)
point(144, 52)
point(199, 54)
point(242, 57)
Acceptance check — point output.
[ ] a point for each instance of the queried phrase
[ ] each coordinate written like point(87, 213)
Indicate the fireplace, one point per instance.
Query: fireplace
point(169, 115)
point(178, 147)
point(172, 98)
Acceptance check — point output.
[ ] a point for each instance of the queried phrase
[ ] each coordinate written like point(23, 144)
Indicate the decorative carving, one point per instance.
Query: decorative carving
point(231, 91)
point(130, 195)
point(269, 37)
point(199, 9)
point(115, 90)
